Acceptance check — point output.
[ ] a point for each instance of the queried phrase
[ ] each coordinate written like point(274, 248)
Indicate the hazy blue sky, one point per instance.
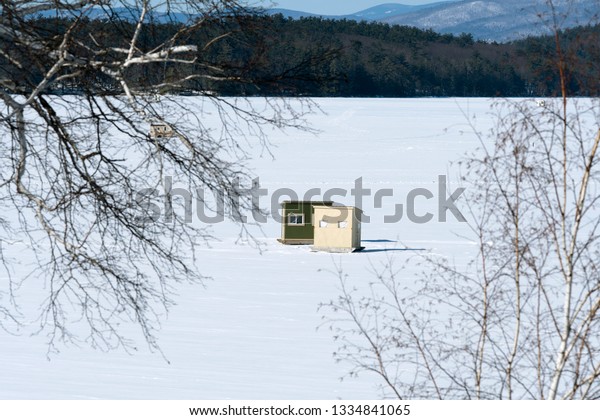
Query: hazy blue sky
point(338, 7)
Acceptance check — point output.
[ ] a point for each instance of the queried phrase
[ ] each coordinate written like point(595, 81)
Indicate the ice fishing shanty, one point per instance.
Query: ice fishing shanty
point(326, 226)
point(161, 130)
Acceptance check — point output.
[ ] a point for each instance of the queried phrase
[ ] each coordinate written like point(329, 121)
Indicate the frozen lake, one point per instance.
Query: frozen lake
point(253, 331)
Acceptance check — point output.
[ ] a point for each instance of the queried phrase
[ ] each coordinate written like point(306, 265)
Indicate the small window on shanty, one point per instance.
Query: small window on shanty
point(342, 225)
point(295, 219)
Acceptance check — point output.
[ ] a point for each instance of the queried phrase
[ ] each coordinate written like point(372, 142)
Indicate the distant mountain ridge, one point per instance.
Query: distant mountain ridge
point(499, 20)
point(491, 20)
point(375, 13)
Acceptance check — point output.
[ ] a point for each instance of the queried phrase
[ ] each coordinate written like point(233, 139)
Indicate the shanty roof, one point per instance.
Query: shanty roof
point(307, 201)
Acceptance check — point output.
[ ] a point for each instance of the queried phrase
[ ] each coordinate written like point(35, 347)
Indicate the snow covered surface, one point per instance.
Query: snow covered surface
point(252, 332)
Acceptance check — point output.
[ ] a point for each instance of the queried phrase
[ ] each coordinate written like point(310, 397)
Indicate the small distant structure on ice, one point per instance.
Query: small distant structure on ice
point(541, 103)
point(161, 130)
point(322, 224)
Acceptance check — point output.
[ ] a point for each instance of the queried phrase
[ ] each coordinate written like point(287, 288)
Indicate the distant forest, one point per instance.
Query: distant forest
point(273, 55)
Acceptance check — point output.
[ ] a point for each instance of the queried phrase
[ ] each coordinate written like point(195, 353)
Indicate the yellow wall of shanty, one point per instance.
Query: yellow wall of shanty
point(336, 227)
